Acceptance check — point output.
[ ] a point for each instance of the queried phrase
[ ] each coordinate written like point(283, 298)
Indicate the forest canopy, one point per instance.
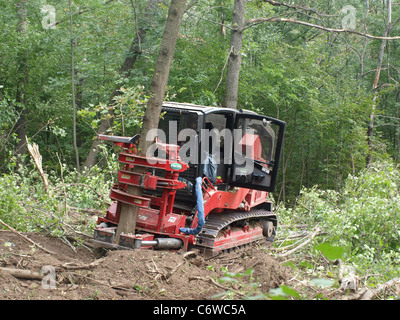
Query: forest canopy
point(320, 82)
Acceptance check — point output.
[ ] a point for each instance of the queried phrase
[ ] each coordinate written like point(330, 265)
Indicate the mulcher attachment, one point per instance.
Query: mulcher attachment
point(158, 224)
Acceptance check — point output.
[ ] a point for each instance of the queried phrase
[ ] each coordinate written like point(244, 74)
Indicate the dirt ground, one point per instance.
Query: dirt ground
point(83, 274)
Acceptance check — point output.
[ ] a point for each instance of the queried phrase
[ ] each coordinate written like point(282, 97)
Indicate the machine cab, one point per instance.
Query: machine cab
point(232, 148)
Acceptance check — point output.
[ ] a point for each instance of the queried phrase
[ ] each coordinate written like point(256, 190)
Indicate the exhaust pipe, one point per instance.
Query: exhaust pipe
point(160, 243)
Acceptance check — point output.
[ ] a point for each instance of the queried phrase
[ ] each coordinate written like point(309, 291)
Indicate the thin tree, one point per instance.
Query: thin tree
point(128, 215)
point(370, 132)
point(73, 86)
point(235, 57)
point(22, 79)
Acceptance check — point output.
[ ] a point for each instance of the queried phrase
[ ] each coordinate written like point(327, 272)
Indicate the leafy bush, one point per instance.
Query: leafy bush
point(66, 207)
point(362, 219)
point(128, 111)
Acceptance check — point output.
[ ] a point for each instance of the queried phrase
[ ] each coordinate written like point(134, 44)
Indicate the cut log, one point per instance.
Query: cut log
point(22, 274)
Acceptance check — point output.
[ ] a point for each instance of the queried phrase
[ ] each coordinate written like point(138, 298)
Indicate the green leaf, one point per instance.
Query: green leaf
point(249, 272)
point(223, 279)
point(306, 264)
point(323, 283)
point(284, 291)
point(277, 292)
point(329, 251)
point(290, 291)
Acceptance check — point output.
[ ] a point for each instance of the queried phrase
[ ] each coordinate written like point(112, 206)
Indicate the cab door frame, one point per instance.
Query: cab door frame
point(264, 174)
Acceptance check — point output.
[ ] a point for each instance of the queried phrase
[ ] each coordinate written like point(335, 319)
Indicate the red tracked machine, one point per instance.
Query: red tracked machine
point(208, 187)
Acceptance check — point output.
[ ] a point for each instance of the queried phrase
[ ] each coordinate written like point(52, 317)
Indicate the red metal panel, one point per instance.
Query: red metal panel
point(157, 163)
point(128, 240)
point(124, 197)
point(172, 222)
point(147, 219)
point(148, 181)
point(129, 177)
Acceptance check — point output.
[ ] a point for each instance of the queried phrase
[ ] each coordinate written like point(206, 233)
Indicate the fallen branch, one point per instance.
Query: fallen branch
point(251, 22)
point(116, 286)
point(169, 274)
point(370, 294)
point(25, 238)
point(74, 266)
point(290, 245)
point(164, 275)
point(311, 237)
point(22, 274)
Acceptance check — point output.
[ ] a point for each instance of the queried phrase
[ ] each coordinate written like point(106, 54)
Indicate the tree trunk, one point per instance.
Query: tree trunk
point(73, 87)
point(235, 57)
point(370, 132)
point(128, 215)
point(134, 51)
point(22, 79)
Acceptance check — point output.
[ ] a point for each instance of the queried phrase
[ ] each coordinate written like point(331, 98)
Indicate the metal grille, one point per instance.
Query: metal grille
point(183, 120)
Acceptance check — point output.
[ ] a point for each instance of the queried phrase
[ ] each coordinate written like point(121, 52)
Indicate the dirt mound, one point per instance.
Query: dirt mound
point(78, 274)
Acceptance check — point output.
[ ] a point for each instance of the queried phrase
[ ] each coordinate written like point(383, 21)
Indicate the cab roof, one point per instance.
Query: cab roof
point(202, 109)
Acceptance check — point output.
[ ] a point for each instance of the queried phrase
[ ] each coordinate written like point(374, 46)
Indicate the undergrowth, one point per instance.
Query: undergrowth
point(360, 225)
point(67, 207)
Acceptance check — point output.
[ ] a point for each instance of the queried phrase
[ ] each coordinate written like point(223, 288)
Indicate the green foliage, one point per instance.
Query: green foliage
point(301, 75)
point(329, 251)
point(240, 282)
point(323, 283)
point(361, 221)
point(283, 292)
point(26, 206)
point(8, 119)
point(127, 109)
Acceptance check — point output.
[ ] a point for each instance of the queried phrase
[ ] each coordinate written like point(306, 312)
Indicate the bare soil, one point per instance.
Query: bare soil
point(83, 274)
